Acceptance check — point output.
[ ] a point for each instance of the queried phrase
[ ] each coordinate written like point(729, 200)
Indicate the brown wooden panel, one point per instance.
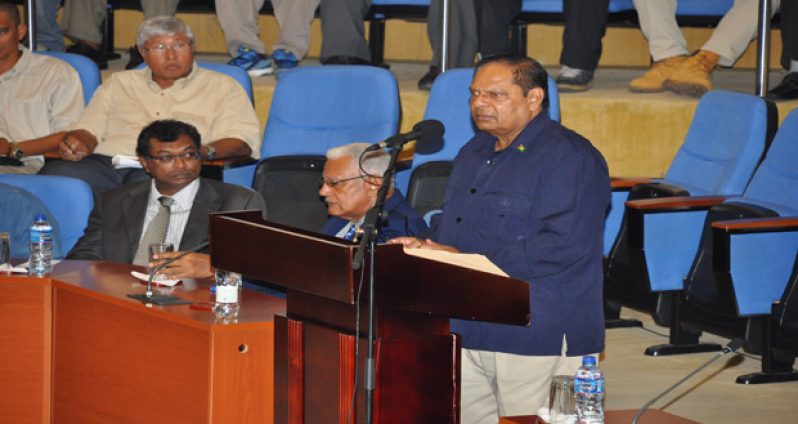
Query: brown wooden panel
point(25, 341)
point(675, 203)
point(296, 372)
point(243, 374)
point(761, 224)
point(121, 365)
point(346, 378)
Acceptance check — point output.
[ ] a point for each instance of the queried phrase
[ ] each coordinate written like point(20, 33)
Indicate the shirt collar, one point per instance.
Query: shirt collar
point(529, 132)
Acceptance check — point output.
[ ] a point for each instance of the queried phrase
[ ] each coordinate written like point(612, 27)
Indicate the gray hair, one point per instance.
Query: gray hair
point(374, 163)
point(162, 25)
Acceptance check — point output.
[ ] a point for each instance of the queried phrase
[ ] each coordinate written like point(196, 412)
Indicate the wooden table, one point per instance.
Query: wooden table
point(79, 351)
point(652, 416)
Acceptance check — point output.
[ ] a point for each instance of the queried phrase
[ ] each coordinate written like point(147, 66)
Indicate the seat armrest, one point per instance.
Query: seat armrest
point(675, 204)
point(627, 183)
point(758, 225)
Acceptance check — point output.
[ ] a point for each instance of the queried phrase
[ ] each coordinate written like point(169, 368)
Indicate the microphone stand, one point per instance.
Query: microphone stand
point(164, 299)
point(369, 242)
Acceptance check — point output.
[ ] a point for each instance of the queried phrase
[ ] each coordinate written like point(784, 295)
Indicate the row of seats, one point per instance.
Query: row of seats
point(711, 246)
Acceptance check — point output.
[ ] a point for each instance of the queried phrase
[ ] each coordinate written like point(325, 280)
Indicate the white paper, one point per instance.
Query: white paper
point(144, 277)
point(465, 260)
point(122, 161)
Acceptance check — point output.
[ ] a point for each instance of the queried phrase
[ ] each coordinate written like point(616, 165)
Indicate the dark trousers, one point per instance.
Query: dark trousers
point(97, 171)
point(495, 22)
point(789, 32)
point(585, 25)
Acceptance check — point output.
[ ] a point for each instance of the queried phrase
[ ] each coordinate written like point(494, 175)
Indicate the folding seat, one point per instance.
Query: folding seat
point(69, 200)
point(313, 110)
point(746, 254)
point(659, 237)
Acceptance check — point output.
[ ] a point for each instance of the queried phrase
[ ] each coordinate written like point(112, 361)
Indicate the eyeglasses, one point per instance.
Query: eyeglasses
point(160, 49)
point(188, 156)
point(332, 183)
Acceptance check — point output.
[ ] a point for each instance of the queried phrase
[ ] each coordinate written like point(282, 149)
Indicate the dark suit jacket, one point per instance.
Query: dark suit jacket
point(402, 220)
point(117, 221)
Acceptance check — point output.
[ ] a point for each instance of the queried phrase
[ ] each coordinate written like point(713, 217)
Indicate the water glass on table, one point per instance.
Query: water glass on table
point(562, 403)
point(156, 249)
point(5, 251)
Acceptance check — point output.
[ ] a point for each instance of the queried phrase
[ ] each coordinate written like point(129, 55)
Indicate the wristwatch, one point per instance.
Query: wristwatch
point(211, 155)
point(15, 152)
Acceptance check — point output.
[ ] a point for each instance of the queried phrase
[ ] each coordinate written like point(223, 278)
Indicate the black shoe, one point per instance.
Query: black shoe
point(135, 58)
point(787, 89)
point(345, 60)
point(425, 83)
point(85, 50)
point(574, 80)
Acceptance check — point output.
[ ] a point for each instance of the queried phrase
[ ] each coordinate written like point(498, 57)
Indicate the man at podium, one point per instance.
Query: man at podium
point(350, 190)
point(531, 196)
point(173, 207)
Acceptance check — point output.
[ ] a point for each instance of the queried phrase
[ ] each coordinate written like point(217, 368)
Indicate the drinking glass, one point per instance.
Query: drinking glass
point(5, 251)
point(155, 249)
point(562, 402)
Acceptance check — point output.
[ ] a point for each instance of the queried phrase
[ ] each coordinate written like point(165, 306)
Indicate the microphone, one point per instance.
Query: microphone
point(149, 296)
point(429, 134)
point(731, 347)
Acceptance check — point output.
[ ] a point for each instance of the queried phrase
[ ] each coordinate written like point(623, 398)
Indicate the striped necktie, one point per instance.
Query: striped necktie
point(156, 231)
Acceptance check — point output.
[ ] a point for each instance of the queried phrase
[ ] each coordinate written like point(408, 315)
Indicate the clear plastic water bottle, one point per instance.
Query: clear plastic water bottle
point(227, 294)
point(589, 392)
point(41, 247)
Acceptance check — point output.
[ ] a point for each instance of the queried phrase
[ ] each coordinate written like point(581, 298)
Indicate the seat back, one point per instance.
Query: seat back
point(775, 182)
point(69, 200)
point(449, 102)
point(315, 108)
point(725, 141)
point(87, 70)
point(290, 186)
point(428, 185)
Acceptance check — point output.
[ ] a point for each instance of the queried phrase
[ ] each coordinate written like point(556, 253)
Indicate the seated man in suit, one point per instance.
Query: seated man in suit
point(40, 98)
point(351, 190)
point(125, 220)
point(172, 86)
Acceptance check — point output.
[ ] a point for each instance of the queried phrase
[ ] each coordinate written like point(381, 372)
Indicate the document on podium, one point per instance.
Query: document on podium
point(466, 260)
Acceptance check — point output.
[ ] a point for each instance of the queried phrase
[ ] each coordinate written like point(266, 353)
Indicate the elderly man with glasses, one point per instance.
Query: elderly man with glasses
point(352, 178)
point(100, 147)
point(126, 219)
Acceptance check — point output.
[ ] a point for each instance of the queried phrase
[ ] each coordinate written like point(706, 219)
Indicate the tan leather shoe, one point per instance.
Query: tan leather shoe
point(691, 78)
point(654, 79)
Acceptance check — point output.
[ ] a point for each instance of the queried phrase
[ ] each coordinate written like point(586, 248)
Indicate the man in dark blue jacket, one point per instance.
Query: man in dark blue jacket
point(530, 195)
point(351, 190)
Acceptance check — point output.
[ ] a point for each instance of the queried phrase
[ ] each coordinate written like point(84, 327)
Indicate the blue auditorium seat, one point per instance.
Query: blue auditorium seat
point(69, 200)
point(87, 70)
point(659, 237)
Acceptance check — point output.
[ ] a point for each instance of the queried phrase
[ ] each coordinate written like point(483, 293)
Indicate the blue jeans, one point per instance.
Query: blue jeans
point(48, 33)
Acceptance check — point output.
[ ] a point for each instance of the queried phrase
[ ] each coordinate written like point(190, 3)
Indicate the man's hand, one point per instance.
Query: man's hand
point(193, 265)
point(416, 243)
point(73, 148)
point(5, 147)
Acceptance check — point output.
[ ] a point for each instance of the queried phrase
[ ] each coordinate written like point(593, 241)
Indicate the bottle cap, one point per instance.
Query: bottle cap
point(40, 217)
point(588, 360)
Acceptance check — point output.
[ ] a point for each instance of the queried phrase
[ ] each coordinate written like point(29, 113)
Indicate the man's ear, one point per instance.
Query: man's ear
point(373, 183)
point(535, 98)
point(144, 163)
point(22, 29)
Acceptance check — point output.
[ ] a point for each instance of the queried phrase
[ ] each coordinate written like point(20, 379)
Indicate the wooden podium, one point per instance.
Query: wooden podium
point(417, 359)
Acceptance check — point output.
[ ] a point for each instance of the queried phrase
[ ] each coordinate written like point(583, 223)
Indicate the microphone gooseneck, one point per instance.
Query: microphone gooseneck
point(731, 347)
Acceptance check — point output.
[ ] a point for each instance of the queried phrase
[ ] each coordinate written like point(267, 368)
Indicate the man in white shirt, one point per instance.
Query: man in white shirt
point(171, 87)
point(40, 98)
point(119, 225)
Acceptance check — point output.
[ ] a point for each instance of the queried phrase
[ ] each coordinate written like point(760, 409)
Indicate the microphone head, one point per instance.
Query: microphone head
point(431, 136)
